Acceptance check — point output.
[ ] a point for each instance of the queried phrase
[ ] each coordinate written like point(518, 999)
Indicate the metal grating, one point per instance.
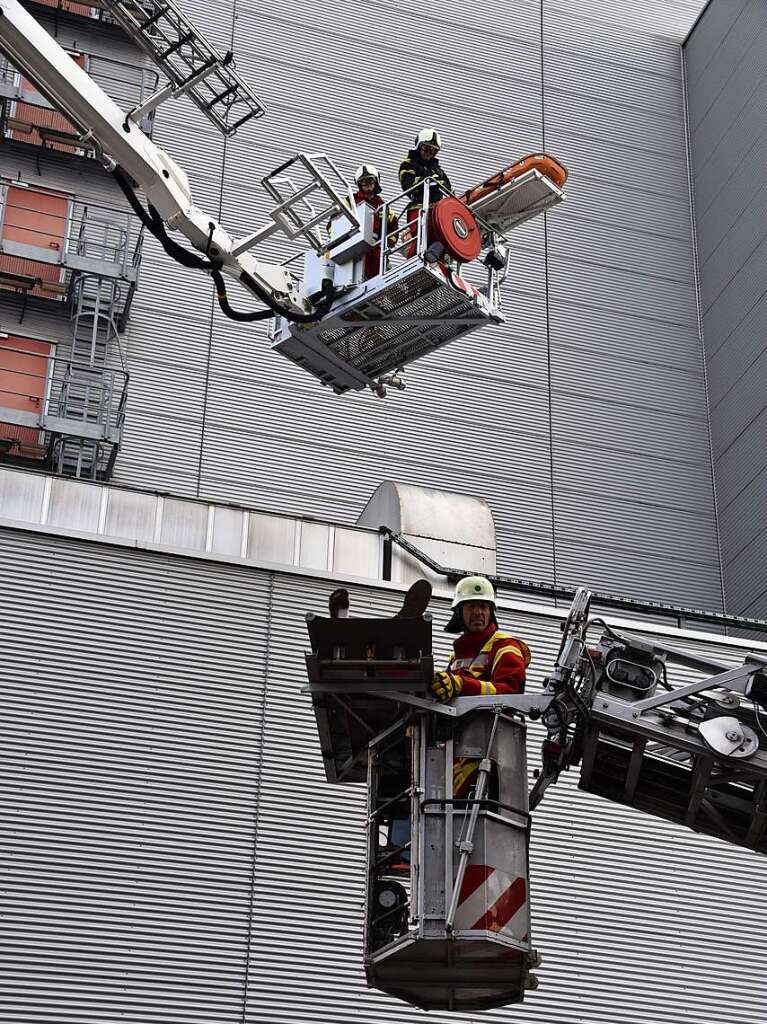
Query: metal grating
point(389, 343)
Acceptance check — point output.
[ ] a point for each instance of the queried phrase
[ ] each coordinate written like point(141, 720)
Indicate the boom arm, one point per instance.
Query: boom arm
point(124, 146)
point(695, 754)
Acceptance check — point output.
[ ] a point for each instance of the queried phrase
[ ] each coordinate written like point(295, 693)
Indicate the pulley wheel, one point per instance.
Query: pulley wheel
point(453, 224)
point(727, 736)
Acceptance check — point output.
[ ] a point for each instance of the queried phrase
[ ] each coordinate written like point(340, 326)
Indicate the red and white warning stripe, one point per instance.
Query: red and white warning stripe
point(492, 901)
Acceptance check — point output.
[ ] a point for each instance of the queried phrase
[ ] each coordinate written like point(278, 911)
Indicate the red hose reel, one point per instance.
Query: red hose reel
point(454, 225)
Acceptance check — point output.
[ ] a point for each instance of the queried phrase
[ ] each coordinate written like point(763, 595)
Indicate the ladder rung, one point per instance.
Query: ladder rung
point(155, 17)
point(221, 96)
point(181, 41)
point(199, 73)
point(242, 120)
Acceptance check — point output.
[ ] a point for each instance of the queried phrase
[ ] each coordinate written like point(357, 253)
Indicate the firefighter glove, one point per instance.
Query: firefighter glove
point(446, 685)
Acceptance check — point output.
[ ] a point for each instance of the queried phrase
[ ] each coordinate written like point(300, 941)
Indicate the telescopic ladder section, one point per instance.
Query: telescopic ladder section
point(694, 753)
point(192, 66)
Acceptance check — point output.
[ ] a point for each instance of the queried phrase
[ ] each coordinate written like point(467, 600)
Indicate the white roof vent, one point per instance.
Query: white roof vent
point(456, 530)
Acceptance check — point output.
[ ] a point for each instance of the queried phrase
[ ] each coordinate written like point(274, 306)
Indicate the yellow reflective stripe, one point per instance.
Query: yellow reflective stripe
point(488, 645)
point(463, 769)
point(508, 649)
point(486, 689)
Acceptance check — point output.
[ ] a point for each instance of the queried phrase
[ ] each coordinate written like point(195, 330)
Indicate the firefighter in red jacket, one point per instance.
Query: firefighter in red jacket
point(485, 660)
point(368, 182)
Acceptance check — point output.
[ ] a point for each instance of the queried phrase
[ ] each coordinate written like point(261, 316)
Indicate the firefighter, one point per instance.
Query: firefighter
point(420, 164)
point(485, 659)
point(368, 182)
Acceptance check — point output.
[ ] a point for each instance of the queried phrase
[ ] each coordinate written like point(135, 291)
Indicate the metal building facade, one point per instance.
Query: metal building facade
point(172, 853)
point(726, 62)
point(594, 451)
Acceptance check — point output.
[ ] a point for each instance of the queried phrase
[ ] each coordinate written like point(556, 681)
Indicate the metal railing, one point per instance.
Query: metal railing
point(70, 7)
point(46, 398)
point(26, 115)
point(50, 238)
point(411, 237)
point(74, 8)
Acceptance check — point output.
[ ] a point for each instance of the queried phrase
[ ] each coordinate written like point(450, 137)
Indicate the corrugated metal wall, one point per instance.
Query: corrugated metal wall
point(726, 61)
point(593, 447)
point(132, 697)
point(171, 854)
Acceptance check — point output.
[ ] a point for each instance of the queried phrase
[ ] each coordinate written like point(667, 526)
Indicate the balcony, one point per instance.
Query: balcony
point(28, 119)
point(58, 414)
point(49, 240)
point(66, 9)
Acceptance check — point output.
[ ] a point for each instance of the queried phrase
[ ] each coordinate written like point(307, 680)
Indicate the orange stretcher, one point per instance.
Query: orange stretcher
point(518, 192)
point(541, 162)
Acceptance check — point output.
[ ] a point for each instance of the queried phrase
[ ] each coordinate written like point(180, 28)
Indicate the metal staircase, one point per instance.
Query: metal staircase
point(91, 391)
point(192, 66)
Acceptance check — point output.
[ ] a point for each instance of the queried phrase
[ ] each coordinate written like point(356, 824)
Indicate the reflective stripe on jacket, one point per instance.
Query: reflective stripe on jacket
point(490, 662)
point(414, 171)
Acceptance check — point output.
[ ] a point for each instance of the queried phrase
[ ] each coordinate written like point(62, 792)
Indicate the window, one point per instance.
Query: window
point(37, 123)
point(69, 7)
point(24, 381)
point(34, 220)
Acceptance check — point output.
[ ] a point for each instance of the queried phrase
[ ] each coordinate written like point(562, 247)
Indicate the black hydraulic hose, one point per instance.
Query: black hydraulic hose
point(322, 307)
point(173, 249)
point(154, 224)
point(227, 310)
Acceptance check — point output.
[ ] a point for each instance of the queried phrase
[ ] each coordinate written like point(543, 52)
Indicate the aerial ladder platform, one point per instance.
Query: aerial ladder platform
point(438, 278)
point(447, 894)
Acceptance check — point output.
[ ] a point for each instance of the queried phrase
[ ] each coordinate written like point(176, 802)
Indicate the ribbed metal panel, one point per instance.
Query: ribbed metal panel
point(726, 61)
point(739, 407)
point(714, 28)
point(747, 576)
point(132, 720)
point(139, 765)
point(213, 411)
point(630, 456)
point(743, 519)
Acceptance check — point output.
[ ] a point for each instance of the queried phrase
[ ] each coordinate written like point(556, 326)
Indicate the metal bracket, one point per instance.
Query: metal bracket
point(525, 703)
point(733, 679)
point(171, 92)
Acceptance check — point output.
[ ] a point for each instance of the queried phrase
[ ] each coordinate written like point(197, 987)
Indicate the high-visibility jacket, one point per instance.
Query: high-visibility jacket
point(413, 171)
point(373, 258)
point(490, 662)
point(376, 202)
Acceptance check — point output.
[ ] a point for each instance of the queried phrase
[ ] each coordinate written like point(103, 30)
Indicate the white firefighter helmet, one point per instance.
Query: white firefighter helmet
point(367, 171)
point(471, 588)
point(428, 137)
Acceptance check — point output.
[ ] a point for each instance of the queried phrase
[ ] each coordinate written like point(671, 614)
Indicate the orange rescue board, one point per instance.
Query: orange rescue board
point(541, 162)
